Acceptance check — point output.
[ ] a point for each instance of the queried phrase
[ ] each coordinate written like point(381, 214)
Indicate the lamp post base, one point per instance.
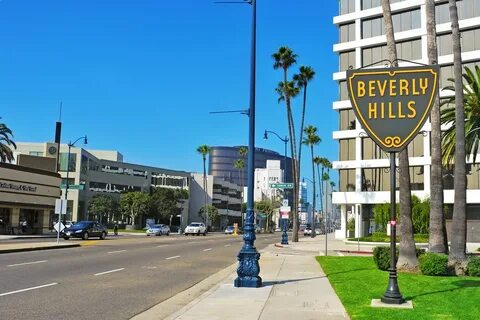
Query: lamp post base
point(284, 232)
point(392, 295)
point(248, 269)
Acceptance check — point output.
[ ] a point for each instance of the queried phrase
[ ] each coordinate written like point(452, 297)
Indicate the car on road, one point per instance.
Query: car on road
point(158, 230)
point(196, 228)
point(85, 230)
point(229, 230)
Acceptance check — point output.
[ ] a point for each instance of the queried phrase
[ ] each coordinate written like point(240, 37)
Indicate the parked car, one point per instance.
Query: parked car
point(158, 230)
point(308, 231)
point(229, 230)
point(85, 230)
point(196, 228)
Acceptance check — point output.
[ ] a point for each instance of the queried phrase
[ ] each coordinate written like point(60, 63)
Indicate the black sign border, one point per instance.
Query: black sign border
point(394, 146)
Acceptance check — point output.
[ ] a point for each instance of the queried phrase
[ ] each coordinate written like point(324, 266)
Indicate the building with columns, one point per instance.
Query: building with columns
point(363, 166)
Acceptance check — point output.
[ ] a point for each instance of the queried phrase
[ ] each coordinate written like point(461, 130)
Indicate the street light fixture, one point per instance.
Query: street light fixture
point(284, 221)
point(70, 145)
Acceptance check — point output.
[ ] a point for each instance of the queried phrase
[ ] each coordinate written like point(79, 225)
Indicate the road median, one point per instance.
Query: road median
point(22, 247)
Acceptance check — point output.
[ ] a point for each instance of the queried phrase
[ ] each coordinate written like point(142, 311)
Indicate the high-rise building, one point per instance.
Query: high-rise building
point(364, 180)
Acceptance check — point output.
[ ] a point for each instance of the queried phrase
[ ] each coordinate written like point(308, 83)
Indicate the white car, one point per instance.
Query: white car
point(158, 230)
point(196, 228)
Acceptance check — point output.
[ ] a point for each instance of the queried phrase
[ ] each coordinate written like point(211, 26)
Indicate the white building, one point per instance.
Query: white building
point(264, 179)
point(361, 164)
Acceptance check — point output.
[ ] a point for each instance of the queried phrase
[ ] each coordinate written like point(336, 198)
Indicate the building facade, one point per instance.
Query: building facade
point(93, 172)
point(27, 199)
point(364, 181)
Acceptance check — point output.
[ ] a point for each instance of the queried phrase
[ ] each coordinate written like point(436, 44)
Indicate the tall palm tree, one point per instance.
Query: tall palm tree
point(437, 241)
point(302, 79)
point(284, 58)
point(204, 150)
point(312, 139)
point(457, 255)
point(325, 164)
point(407, 258)
point(242, 151)
point(6, 143)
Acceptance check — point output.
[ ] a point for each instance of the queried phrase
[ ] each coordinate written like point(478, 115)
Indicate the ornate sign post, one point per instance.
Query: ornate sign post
point(392, 104)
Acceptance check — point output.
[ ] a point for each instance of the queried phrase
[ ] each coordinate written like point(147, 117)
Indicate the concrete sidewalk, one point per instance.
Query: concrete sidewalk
point(294, 287)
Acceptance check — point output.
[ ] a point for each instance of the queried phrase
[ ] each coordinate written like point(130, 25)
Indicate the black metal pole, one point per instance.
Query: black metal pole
point(248, 269)
point(393, 295)
point(66, 186)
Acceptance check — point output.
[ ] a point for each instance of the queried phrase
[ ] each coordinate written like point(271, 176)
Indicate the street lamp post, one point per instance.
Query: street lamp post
point(283, 221)
point(248, 269)
point(70, 145)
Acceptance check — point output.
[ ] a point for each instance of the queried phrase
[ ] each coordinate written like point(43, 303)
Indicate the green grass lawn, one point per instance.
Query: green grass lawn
point(357, 281)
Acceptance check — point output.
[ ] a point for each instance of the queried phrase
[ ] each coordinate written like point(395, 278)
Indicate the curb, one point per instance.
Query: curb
point(354, 251)
point(61, 246)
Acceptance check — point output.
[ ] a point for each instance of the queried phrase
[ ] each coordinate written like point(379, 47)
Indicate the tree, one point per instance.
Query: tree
point(105, 206)
point(311, 139)
point(212, 213)
point(437, 240)
point(457, 255)
point(284, 58)
point(6, 143)
point(407, 258)
point(165, 202)
point(204, 150)
point(302, 79)
point(326, 164)
point(134, 204)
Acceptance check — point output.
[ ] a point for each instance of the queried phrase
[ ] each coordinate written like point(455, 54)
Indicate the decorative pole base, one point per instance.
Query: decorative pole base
point(248, 269)
point(284, 232)
point(393, 295)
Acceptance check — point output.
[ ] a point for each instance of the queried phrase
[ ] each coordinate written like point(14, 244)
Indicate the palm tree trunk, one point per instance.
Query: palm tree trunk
point(320, 185)
point(314, 198)
point(302, 124)
point(458, 235)
point(437, 241)
point(205, 189)
point(407, 258)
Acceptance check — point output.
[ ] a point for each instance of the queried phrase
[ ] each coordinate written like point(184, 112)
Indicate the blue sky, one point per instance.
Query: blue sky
point(141, 76)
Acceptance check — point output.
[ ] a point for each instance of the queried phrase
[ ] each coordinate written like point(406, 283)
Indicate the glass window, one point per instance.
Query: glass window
point(347, 32)
point(416, 178)
point(347, 180)
point(346, 6)
point(442, 14)
point(343, 90)
point(347, 59)
point(347, 149)
point(468, 40)
point(375, 179)
point(347, 119)
point(444, 44)
point(71, 165)
point(36, 153)
point(415, 147)
point(370, 150)
point(446, 72)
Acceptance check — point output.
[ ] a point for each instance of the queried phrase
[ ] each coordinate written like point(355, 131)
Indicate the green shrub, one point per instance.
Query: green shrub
point(381, 256)
point(351, 224)
point(420, 237)
point(379, 237)
point(473, 266)
point(434, 264)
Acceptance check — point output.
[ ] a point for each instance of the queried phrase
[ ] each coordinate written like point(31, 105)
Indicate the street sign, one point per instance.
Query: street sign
point(281, 185)
point(59, 225)
point(73, 186)
point(392, 104)
point(285, 203)
point(60, 206)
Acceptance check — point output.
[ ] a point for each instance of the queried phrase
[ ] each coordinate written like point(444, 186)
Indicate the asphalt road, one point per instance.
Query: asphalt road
point(112, 279)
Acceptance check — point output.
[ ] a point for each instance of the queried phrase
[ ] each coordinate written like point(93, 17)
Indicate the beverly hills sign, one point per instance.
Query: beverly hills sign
point(392, 104)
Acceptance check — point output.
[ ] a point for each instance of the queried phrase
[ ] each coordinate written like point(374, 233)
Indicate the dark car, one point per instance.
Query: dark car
point(85, 230)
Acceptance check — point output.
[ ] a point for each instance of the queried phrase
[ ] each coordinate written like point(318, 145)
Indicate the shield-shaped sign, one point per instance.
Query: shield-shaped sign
point(392, 104)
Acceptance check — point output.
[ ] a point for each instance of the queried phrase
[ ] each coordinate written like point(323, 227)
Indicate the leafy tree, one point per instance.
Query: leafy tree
point(457, 256)
point(268, 208)
point(212, 213)
point(407, 258)
point(134, 204)
point(311, 139)
point(284, 58)
point(165, 202)
point(204, 150)
point(6, 143)
point(437, 241)
point(105, 206)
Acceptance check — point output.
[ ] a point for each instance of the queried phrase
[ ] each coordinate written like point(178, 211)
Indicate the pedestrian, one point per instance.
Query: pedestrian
point(24, 226)
point(115, 229)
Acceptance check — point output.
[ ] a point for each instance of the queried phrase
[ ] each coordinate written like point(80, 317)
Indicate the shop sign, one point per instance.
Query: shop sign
point(17, 187)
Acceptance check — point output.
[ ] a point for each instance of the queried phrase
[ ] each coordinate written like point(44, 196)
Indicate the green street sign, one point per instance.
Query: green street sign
point(281, 185)
point(73, 186)
point(392, 104)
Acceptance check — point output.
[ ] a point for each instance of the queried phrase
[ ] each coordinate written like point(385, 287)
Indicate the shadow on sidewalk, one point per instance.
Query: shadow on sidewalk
point(272, 283)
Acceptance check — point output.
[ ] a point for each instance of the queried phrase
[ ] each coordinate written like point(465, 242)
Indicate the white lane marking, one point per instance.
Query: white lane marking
point(25, 263)
point(117, 251)
point(162, 245)
point(174, 257)
point(207, 249)
point(109, 271)
point(227, 245)
point(28, 289)
point(192, 242)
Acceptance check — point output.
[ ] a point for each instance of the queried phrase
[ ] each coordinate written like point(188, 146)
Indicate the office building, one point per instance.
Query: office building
point(364, 181)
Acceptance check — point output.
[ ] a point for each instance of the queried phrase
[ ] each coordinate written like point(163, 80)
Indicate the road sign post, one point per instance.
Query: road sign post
point(60, 208)
point(392, 104)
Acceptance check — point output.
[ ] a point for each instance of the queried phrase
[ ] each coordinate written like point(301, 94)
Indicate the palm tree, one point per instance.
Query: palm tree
point(204, 150)
point(242, 151)
point(284, 58)
point(302, 79)
point(6, 143)
point(311, 139)
point(437, 241)
point(407, 258)
point(326, 164)
point(457, 255)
